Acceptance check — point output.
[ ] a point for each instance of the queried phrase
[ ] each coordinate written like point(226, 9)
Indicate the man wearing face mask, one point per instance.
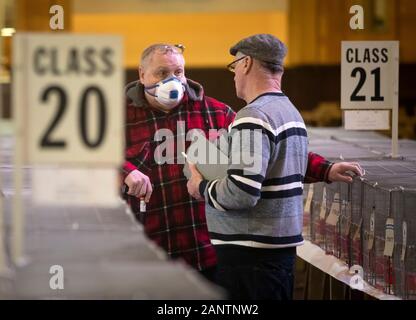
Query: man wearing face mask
point(161, 98)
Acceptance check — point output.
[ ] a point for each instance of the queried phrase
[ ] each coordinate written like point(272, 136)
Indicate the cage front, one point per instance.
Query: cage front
point(345, 221)
point(332, 230)
point(384, 264)
point(368, 229)
point(383, 176)
point(317, 222)
point(355, 233)
point(307, 214)
point(409, 259)
point(399, 247)
point(410, 270)
point(401, 210)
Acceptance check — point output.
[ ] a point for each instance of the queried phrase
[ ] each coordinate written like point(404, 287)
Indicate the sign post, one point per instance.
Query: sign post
point(68, 97)
point(370, 86)
point(3, 262)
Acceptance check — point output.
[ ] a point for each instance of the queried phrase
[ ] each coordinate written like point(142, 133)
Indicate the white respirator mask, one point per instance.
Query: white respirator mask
point(169, 92)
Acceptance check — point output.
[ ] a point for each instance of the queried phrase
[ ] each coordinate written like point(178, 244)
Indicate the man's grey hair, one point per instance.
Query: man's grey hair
point(164, 48)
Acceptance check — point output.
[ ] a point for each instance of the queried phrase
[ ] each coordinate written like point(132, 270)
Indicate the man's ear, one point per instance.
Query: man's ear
point(141, 74)
point(248, 64)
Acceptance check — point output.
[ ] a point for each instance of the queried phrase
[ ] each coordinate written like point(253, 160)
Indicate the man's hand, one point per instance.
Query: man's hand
point(341, 171)
point(194, 181)
point(139, 185)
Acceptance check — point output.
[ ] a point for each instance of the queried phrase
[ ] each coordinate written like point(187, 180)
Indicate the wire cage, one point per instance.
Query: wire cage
point(343, 151)
point(317, 223)
point(331, 234)
point(307, 211)
point(355, 233)
point(376, 224)
point(404, 201)
point(407, 148)
point(338, 220)
point(376, 209)
point(345, 221)
point(340, 134)
point(381, 227)
point(334, 239)
point(390, 168)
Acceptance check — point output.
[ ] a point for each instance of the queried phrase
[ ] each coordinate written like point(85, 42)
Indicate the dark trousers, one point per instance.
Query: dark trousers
point(209, 273)
point(262, 275)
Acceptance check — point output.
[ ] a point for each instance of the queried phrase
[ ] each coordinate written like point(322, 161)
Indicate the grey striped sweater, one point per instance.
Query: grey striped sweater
point(261, 206)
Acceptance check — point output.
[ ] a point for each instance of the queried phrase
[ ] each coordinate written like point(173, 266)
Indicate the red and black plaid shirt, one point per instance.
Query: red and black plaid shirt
point(318, 168)
point(173, 219)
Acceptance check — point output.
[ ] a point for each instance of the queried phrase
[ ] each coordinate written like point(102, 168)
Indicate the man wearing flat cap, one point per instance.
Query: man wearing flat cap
point(255, 213)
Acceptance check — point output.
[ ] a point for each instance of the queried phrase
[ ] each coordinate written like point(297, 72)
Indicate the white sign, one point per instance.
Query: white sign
point(70, 98)
point(307, 208)
point(389, 238)
point(75, 186)
point(367, 119)
point(369, 74)
point(404, 241)
point(334, 213)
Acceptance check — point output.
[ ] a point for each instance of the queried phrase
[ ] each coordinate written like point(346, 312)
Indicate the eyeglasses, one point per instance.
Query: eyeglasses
point(231, 66)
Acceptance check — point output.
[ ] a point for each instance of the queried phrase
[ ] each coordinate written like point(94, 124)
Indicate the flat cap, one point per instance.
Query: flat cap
point(263, 47)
